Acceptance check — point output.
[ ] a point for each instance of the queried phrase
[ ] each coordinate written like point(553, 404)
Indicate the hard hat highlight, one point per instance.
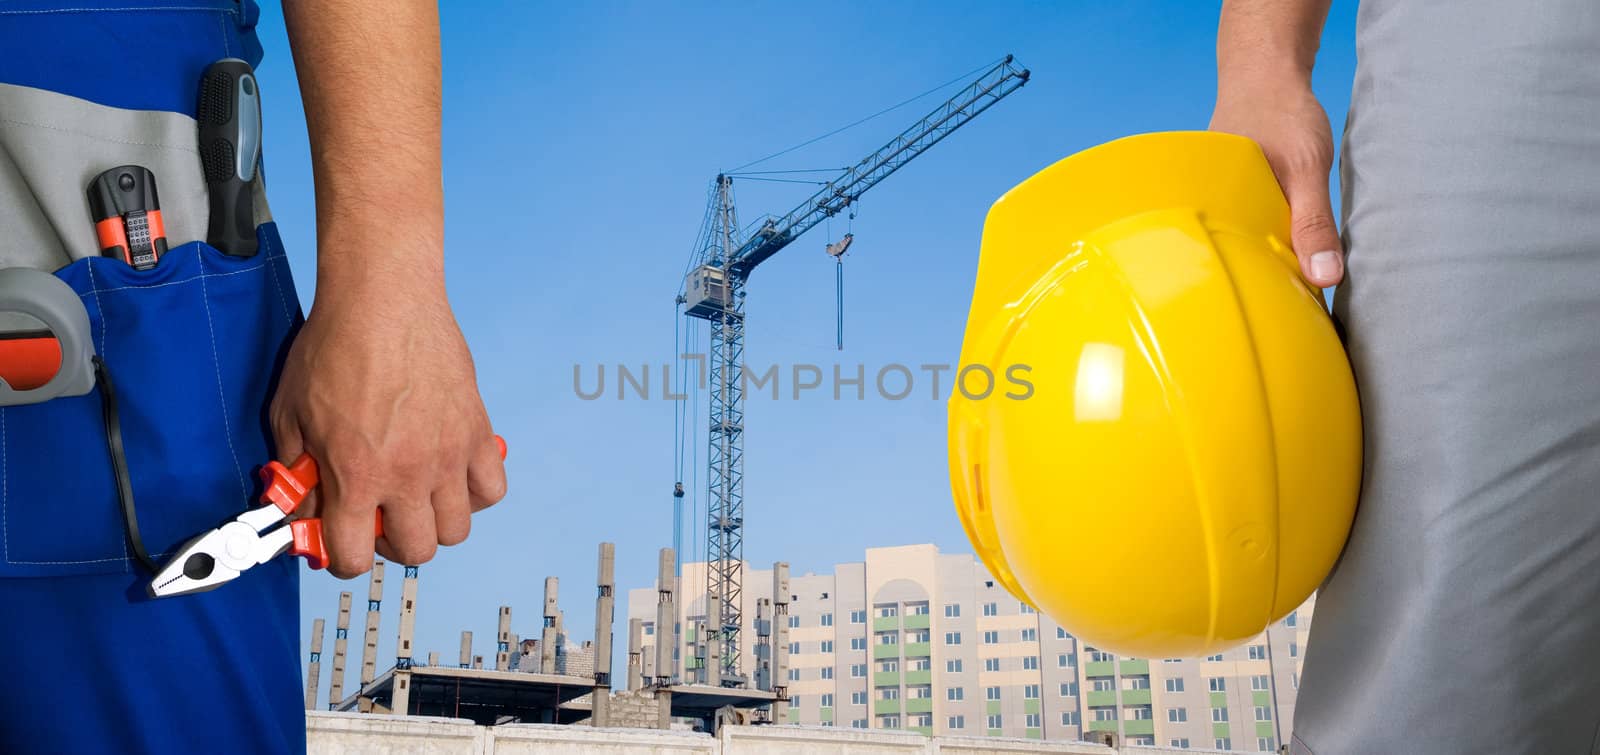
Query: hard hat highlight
point(1186, 470)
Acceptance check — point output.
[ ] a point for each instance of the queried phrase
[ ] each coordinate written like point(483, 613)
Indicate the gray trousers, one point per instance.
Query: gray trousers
point(1464, 615)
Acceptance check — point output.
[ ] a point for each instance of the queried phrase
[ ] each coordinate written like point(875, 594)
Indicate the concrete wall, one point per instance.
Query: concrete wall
point(339, 733)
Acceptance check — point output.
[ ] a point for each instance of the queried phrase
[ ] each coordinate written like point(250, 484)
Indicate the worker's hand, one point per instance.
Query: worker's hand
point(380, 389)
point(1284, 117)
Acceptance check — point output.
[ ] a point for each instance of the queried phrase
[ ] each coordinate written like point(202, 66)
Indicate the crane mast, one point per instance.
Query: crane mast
point(714, 291)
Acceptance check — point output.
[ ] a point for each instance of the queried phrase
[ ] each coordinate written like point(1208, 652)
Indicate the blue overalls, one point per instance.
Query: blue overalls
point(194, 345)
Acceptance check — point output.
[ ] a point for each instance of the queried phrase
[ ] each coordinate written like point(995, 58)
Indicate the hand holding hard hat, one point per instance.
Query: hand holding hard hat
point(1186, 470)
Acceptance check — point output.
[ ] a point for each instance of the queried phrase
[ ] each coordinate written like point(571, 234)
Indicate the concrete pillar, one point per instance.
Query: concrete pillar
point(604, 608)
point(514, 654)
point(400, 698)
point(341, 634)
point(635, 654)
point(502, 640)
point(477, 661)
point(314, 668)
point(763, 648)
point(664, 706)
point(780, 641)
point(433, 659)
point(712, 637)
point(466, 649)
point(547, 639)
point(666, 618)
point(369, 653)
point(408, 620)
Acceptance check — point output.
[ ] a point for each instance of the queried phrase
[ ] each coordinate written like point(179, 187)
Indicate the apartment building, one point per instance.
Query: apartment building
point(914, 639)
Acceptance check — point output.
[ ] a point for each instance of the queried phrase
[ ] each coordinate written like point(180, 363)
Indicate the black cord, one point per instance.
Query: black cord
point(119, 464)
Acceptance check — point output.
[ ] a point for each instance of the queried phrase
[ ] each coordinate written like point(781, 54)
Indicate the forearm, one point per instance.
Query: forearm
point(370, 83)
point(1268, 41)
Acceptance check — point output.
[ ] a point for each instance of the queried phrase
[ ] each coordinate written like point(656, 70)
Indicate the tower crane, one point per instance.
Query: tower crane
point(714, 291)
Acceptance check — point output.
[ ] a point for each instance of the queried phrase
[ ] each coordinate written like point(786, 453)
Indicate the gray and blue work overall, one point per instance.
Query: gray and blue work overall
point(1464, 615)
point(94, 665)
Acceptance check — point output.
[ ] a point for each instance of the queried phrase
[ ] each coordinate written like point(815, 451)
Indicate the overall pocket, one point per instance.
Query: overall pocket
point(193, 347)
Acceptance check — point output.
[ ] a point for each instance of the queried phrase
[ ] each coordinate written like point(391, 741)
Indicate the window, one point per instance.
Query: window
point(1070, 718)
point(917, 635)
point(827, 723)
point(1172, 660)
point(1100, 656)
point(991, 664)
point(888, 638)
point(1294, 650)
point(1069, 689)
point(827, 672)
point(990, 609)
point(827, 700)
point(649, 629)
point(858, 670)
point(920, 692)
point(922, 719)
point(888, 722)
point(1292, 619)
point(956, 722)
point(858, 643)
point(918, 664)
point(1141, 713)
point(1218, 684)
point(994, 721)
point(952, 611)
point(1177, 715)
point(794, 648)
point(1030, 692)
point(826, 646)
point(1030, 663)
point(1216, 657)
point(1223, 743)
point(955, 693)
point(1265, 744)
point(1025, 608)
point(889, 664)
point(1175, 685)
point(1258, 652)
point(1219, 715)
point(952, 638)
point(1105, 714)
point(991, 693)
point(1144, 740)
point(827, 619)
point(1102, 684)
point(859, 723)
point(1136, 682)
point(858, 698)
point(794, 622)
point(1061, 633)
point(858, 617)
point(1294, 680)
point(953, 667)
point(1181, 743)
point(888, 693)
point(794, 701)
point(1263, 713)
point(1063, 660)
point(888, 610)
point(917, 609)
point(794, 675)
point(1259, 682)
point(991, 637)
point(1031, 721)
point(1030, 635)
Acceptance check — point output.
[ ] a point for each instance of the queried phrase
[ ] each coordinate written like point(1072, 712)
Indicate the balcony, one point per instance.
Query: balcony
point(918, 650)
point(1134, 667)
point(919, 705)
point(1219, 699)
point(926, 731)
point(1136, 697)
point(1261, 698)
point(924, 676)
point(881, 707)
point(1265, 729)
point(1100, 698)
point(1138, 726)
point(886, 651)
point(886, 679)
point(1099, 668)
point(917, 621)
point(885, 623)
point(1030, 706)
point(1102, 726)
point(1220, 731)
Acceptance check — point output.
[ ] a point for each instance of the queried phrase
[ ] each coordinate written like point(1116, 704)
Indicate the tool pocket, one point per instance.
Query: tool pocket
point(192, 347)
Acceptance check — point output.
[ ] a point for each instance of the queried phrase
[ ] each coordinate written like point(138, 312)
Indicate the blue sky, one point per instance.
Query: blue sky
point(579, 141)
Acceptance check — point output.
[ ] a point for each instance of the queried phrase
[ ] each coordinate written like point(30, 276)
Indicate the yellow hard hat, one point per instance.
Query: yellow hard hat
point(1171, 459)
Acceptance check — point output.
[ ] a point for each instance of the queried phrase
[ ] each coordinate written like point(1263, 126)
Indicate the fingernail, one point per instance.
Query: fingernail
point(1326, 266)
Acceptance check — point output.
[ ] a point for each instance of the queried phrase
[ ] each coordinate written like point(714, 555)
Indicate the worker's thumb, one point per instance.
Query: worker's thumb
point(1313, 233)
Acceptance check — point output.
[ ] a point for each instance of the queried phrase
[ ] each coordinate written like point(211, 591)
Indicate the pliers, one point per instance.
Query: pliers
point(220, 555)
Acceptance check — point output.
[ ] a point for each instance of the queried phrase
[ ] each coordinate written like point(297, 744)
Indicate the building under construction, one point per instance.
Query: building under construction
point(544, 679)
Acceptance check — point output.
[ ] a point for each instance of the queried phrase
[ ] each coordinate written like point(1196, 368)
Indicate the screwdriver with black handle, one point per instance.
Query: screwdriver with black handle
point(230, 152)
